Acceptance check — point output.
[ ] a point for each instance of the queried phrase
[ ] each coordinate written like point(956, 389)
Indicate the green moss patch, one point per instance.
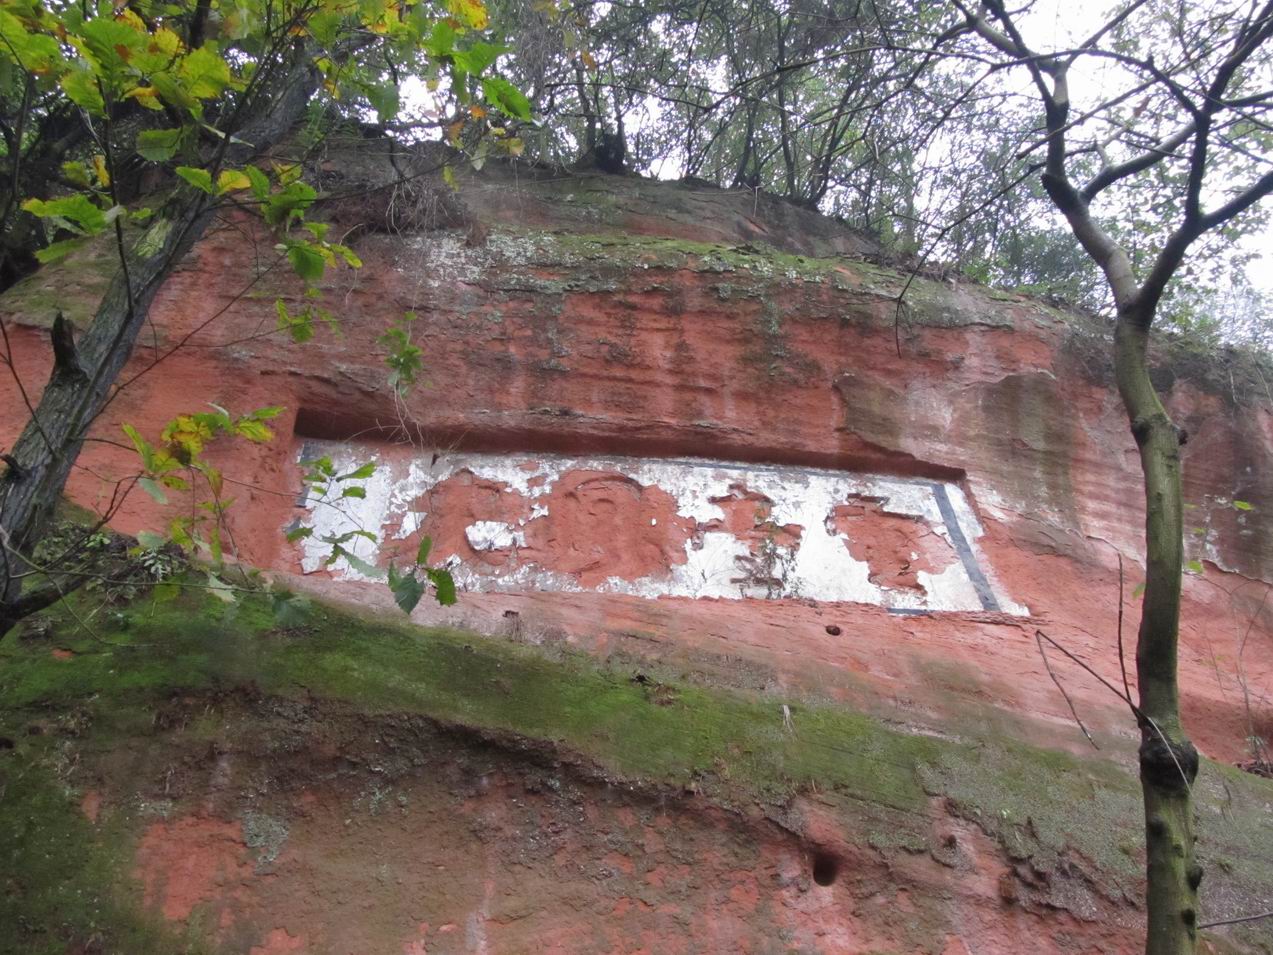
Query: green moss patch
point(62, 876)
point(1072, 822)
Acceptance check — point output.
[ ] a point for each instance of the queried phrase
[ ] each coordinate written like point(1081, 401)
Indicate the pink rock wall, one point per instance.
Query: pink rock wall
point(655, 326)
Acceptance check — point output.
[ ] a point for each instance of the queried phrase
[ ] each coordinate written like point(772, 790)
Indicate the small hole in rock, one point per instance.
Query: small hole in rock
point(833, 630)
point(825, 868)
point(5, 743)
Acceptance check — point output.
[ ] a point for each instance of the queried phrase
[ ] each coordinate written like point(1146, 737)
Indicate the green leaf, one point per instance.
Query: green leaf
point(214, 544)
point(441, 42)
point(260, 182)
point(350, 535)
point(346, 253)
point(472, 13)
point(81, 89)
point(506, 97)
point(180, 535)
point(289, 202)
point(384, 100)
point(443, 585)
point(300, 327)
point(324, 27)
point(1243, 506)
point(34, 52)
point(56, 251)
point(299, 534)
point(231, 180)
point(144, 449)
point(158, 51)
point(159, 145)
point(111, 44)
point(153, 489)
point(477, 57)
point(175, 93)
point(406, 589)
point(153, 240)
point(355, 491)
point(77, 172)
point(253, 430)
point(76, 212)
point(199, 178)
point(205, 73)
point(358, 564)
point(361, 473)
point(307, 261)
point(422, 555)
point(1195, 566)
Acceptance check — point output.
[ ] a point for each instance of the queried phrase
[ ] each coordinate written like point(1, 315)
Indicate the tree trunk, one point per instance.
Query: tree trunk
point(78, 386)
point(83, 374)
point(1168, 760)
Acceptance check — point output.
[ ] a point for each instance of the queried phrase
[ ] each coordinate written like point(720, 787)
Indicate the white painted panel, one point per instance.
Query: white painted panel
point(819, 565)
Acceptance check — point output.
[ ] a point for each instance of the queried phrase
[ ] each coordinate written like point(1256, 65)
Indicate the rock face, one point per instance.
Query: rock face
point(692, 427)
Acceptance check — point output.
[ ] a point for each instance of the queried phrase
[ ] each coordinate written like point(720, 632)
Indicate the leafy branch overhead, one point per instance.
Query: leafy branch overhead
point(120, 59)
point(99, 102)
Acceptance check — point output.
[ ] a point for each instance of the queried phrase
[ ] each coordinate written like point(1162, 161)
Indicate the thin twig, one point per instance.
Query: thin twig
point(1122, 659)
point(1038, 638)
point(1241, 918)
point(1136, 710)
point(1142, 718)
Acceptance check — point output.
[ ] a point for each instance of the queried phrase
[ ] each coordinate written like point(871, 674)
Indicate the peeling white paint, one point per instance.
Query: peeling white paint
point(717, 564)
point(494, 535)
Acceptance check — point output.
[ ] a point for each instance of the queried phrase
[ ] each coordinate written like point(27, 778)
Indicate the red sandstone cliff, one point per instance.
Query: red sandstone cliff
point(595, 317)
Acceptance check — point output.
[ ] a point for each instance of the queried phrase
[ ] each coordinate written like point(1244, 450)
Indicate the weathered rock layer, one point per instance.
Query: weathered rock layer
point(588, 319)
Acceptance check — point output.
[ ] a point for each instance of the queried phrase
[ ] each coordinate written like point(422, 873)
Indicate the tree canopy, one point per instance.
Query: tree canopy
point(1117, 158)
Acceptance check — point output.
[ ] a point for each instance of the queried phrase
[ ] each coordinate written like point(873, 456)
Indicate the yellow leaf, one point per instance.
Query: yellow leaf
point(287, 172)
point(147, 96)
point(186, 437)
point(453, 131)
point(164, 41)
point(477, 112)
point(471, 13)
point(99, 167)
point(589, 60)
point(515, 147)
point(129, 17)
point(231, 180)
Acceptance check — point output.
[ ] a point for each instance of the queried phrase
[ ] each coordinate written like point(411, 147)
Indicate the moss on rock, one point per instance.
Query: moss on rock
point(1075, 820)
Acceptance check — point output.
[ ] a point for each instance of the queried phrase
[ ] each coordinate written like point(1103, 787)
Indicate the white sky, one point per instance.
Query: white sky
point(1056, 25)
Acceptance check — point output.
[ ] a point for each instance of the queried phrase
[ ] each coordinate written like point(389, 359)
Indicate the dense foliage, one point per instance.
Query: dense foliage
point(888, 114)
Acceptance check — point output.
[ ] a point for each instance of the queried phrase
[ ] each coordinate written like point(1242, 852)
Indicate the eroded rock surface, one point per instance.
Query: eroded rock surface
point(631, 389)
